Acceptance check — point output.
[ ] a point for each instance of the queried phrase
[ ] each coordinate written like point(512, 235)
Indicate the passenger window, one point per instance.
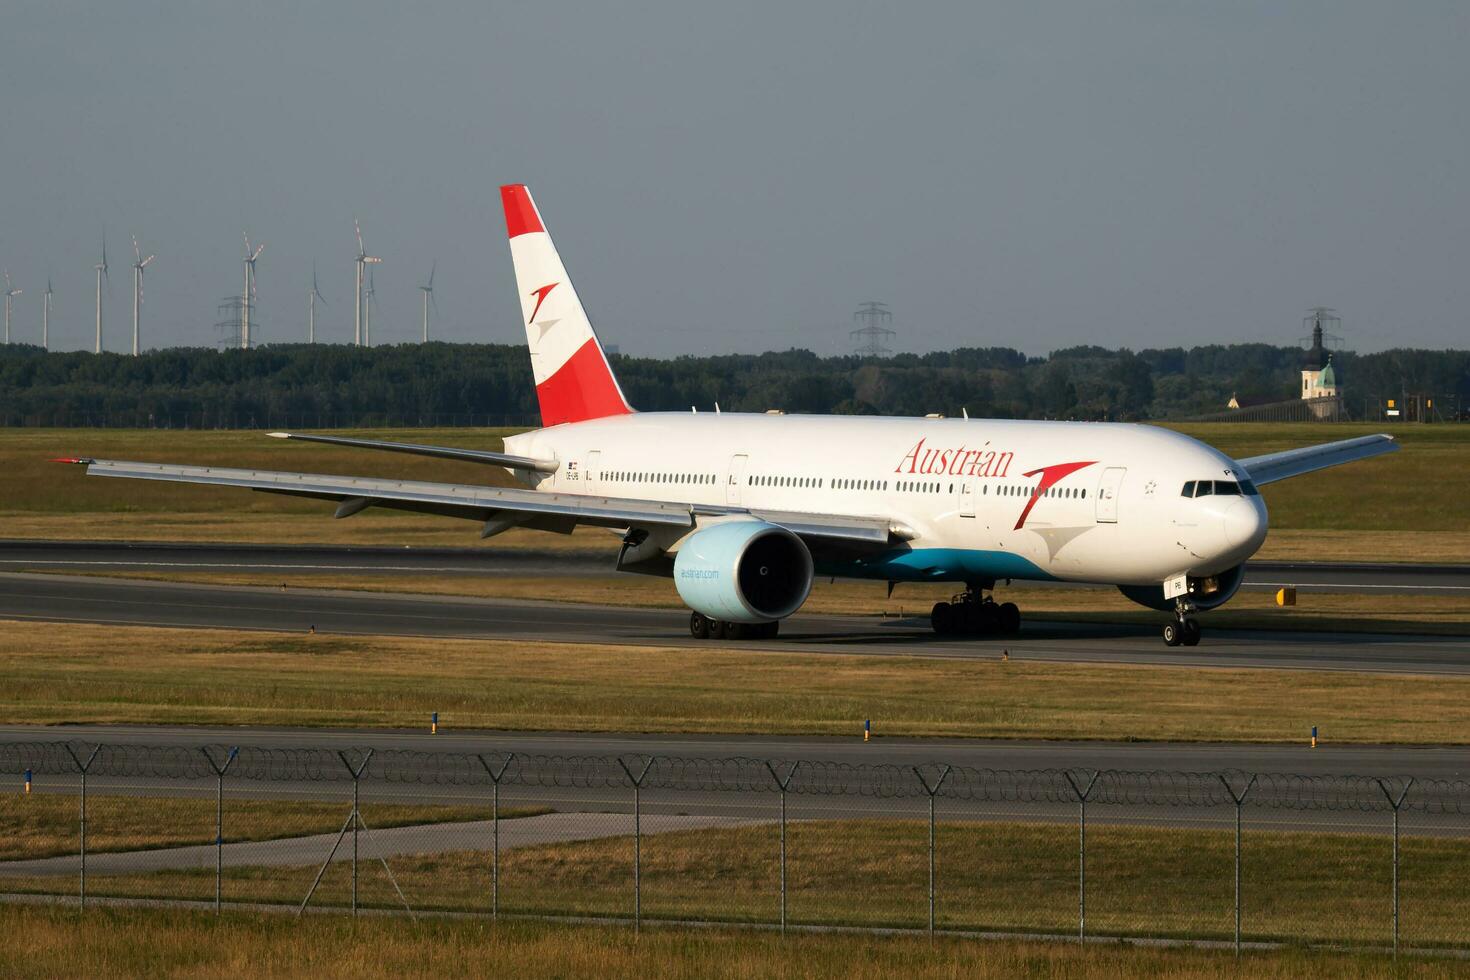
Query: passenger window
point(1188, 490)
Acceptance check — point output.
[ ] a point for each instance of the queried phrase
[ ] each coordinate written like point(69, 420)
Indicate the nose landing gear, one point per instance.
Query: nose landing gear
point(1184, 631)
point(972, 613)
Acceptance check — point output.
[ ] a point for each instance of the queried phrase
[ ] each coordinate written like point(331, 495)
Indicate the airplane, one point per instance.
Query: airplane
point(743, 511)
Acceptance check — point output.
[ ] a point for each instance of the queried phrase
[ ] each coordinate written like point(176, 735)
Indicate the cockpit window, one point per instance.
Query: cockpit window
point(1220, 488)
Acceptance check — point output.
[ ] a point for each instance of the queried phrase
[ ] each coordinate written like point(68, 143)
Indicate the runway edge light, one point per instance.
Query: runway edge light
point(434, 723)
point(867, 728)
point(28, 782)
point(1314, 736)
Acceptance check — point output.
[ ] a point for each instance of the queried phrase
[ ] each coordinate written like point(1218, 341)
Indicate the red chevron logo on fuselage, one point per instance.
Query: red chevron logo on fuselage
point(1050, 476)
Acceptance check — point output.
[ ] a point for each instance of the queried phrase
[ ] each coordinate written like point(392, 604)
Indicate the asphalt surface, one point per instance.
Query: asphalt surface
point(1425, 762)
point(490, 560)
point(62, 598)
point(598, 809)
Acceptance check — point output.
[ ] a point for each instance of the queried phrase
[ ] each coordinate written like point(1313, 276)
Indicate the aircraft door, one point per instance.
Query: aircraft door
point(1107, 494)
point(735, 480)
point(592, 474)
point(966, 492)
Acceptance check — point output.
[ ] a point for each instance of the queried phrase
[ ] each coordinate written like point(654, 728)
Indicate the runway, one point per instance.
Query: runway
point(492, 560)
point(1425, 762)
point(62, 598)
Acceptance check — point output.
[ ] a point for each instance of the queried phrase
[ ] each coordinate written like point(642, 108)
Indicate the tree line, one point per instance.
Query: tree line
point(491, 383)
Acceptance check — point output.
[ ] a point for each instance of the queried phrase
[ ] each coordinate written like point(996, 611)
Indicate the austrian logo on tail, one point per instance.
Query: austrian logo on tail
point(540, 295)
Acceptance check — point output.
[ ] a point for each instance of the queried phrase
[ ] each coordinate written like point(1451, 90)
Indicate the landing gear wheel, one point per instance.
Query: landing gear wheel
point(719, 629)
point(1190, 632)
point(699, 626)
point(942, 618)
point(1173, 634)
point(1010, 617)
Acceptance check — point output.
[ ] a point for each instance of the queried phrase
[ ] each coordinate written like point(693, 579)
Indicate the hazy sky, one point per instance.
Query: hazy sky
point(738, 176)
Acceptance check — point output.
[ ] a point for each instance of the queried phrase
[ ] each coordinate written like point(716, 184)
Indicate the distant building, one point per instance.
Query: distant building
point(1319, 378)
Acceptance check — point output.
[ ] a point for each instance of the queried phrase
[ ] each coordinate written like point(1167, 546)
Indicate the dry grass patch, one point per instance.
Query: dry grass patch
point(163, 943)
point(1021, 877)
point(46, 824)
point(144, 675)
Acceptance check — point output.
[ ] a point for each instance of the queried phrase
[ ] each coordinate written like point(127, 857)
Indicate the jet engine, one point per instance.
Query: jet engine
point(743, 572)
point(1205, 591)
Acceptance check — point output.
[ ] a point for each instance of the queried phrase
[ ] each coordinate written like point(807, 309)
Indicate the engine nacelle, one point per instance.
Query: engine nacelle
point(743, 572)
point(1205, 591)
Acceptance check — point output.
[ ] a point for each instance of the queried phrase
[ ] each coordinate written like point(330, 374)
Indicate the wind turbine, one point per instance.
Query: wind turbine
point(249, 298)
point(428, 298)
point(101, 268)
point(139, 264)
point(359, 335)
point(10, 294)
point(367, 311)
point(316, 294)
point(46, 316)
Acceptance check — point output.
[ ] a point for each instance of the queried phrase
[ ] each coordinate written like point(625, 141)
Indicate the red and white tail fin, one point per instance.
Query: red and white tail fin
point(573, 380)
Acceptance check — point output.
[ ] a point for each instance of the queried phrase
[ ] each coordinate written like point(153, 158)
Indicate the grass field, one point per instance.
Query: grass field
point(45, 825)
point(176, 944)
point(1407, 506)
point(1005, 877)
point(84, 673)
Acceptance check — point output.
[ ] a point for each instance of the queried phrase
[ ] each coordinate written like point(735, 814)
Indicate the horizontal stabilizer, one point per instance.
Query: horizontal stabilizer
point(1295, 462)
point(442, 452)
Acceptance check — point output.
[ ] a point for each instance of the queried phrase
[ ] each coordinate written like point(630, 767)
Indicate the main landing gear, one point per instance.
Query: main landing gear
point(701, 627)
point(972, 613)
point(1184, 631)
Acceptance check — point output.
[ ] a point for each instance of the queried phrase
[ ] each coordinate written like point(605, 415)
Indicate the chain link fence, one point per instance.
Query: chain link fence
point(1232, 858)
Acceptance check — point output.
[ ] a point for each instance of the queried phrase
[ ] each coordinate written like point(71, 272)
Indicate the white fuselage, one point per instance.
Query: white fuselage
point(957, 490)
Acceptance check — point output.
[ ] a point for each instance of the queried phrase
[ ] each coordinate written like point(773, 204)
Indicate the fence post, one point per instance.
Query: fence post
point(782, 784)
point(932, 791)
point(637, 782)
point(1396, 804)
point(219, 819)
point(1239, 799)
point(495, 778)
point(1082, 794)
point(82, 767)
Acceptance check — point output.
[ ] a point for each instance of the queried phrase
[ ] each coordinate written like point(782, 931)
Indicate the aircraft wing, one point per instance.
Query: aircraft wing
point(500, 506)
point(1295, 462)
point(441, 452)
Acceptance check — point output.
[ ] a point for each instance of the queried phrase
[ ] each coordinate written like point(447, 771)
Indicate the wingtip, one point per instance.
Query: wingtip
point(279, 435)
point(83, 460)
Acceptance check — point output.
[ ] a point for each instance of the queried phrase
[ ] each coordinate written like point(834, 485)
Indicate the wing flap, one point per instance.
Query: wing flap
point(1294, 462)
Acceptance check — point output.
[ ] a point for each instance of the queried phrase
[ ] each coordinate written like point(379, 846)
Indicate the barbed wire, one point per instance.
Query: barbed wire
point(816, 778)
